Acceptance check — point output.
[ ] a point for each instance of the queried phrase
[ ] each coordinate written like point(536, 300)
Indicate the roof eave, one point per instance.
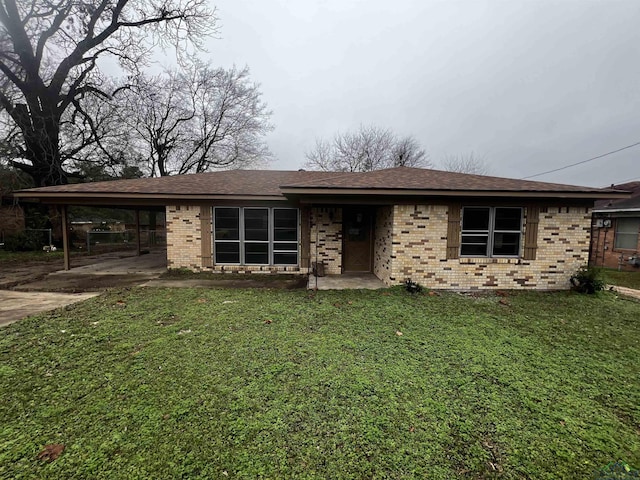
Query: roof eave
point(448, 193)
point(127, 198)
point(616, 210)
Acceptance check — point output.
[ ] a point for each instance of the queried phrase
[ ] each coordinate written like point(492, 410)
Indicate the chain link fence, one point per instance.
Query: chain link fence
point(99, 241)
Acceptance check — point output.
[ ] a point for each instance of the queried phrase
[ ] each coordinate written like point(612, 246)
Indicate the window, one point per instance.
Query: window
point(227, 235)
point(285, 236)
point(255, 236)
point(627, 233)
point(491, 231)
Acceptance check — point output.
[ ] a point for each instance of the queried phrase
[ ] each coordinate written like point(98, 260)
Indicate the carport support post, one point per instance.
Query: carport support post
point(65, 239)
point(138, 232)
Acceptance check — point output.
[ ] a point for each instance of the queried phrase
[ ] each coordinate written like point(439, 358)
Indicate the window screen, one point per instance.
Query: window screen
point(627, 233)
point(226, 232)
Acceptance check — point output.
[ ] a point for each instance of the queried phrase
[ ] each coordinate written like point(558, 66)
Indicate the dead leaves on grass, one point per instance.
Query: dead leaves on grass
point(338, 305)
point(51, 452)
point(495, 463)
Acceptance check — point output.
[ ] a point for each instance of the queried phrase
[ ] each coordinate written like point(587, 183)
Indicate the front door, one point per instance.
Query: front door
point(357, 247)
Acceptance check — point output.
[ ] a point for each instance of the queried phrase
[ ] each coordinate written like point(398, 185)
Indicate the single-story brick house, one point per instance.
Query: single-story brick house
point(444, 230)
point(615, 240)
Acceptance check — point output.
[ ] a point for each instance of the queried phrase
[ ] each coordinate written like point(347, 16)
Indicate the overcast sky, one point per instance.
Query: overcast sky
point(529, 85)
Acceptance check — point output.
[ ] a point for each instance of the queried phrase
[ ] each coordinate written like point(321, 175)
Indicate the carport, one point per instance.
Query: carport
point(77, 195)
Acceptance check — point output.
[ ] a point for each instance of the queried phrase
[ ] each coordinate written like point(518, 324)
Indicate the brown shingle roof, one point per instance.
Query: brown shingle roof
point(276, 184)
point(406, 178)
point(228, 182)
point(632, 203)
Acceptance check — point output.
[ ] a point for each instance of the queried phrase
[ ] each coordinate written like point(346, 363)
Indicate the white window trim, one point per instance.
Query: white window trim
point(271, 230)
point(491, 232)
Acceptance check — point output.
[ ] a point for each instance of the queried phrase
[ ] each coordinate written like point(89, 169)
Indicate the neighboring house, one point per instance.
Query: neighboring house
point(444, 230)
point(615, 241)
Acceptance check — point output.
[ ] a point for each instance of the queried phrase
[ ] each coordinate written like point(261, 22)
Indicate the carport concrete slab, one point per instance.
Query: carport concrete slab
point(17, 305)
point(154, 263)
point(106, 273)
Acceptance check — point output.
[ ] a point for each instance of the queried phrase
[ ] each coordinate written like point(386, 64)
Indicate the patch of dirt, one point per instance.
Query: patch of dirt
point(289, 282)
point(51, 452)
point(78, 283)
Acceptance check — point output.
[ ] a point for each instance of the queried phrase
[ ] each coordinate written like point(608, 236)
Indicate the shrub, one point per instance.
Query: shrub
point(21, 242)
point(412, 287)
point(587, 280)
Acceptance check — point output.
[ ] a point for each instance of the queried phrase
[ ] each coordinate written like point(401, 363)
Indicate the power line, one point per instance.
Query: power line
point(583, 161)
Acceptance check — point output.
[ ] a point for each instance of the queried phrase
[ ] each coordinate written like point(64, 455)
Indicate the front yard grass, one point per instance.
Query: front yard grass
point(629, 279)
point(193, 383)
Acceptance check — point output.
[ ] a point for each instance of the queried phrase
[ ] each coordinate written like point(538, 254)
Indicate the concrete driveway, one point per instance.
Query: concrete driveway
point(60, 288)
point(15, 306)
point(112, 271)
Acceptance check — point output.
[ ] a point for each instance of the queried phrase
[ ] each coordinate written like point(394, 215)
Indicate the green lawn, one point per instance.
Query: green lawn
point(629, 279)
point(189, 383)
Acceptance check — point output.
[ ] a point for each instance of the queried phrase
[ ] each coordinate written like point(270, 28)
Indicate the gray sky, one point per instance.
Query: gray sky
point(529, 85)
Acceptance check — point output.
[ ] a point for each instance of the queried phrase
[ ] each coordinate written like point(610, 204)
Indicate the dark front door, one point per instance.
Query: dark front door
point(357, 247)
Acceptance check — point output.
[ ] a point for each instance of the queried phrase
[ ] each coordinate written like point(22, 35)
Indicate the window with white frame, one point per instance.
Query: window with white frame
point(255, 236)
point(491, 231)
point(627, 233)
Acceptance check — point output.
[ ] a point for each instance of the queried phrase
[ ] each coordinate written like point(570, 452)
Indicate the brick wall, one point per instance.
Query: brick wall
point(382, 248)
point(419, 240)
point(410, 242)
point(184, 249)
point(326, 238)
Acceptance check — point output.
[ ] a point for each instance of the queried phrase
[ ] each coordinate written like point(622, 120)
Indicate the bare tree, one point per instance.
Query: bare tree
point(196, 120)
point(407, 152)
point(95, 140)
point(368, 148)
point(466, 163)
point(50, 52)
point(155, 111)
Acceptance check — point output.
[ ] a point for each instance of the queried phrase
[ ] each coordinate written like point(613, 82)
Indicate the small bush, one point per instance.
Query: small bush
point(412, 287)
point(587, 280)
point(21, 242)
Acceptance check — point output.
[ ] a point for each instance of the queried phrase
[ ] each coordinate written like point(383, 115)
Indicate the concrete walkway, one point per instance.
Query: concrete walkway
point(17, 305)
point(346, 281)
point(629, 292)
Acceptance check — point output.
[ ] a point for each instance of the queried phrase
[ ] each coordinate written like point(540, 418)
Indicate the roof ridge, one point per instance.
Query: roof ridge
point(325, 179)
